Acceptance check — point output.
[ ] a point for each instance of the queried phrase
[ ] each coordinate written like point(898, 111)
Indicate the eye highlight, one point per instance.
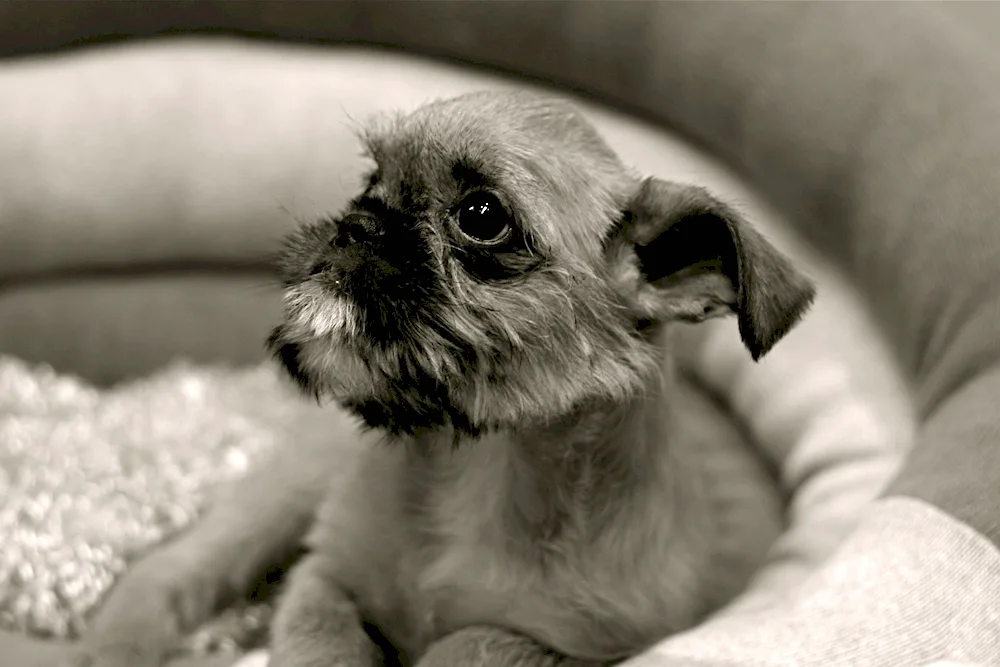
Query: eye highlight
point(483, 219)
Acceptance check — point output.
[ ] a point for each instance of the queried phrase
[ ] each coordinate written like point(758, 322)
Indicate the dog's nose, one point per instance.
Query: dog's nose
point(357, 228)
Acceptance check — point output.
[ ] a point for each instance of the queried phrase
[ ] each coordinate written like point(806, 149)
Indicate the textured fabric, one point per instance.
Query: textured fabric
point(910, 586)
point(90, 480)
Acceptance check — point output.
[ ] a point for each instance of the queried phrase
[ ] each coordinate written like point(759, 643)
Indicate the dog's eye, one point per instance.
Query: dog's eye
point(483, 218)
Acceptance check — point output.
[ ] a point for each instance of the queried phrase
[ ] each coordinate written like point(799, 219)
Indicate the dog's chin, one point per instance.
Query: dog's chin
point(316, 342)
point(334, 369)
point(314, 310)
point(321, 367)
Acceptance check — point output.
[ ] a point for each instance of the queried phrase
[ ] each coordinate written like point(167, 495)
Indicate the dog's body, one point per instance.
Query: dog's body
point(594, 554)
point(539, 483)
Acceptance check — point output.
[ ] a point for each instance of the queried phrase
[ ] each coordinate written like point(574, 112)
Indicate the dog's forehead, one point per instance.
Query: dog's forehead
point(540, 151)
point(519, 122)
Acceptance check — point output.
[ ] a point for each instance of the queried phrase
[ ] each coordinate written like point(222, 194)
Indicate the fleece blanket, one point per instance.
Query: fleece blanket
point(91, 479)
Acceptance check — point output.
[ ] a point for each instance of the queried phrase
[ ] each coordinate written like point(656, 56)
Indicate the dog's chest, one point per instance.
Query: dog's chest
point(452, 564)
point(466, 556)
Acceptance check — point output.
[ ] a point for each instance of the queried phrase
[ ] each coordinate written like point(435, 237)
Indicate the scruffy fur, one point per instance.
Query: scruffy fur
point(535, 481)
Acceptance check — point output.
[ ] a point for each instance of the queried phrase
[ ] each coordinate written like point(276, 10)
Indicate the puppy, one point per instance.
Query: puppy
point(536, 481)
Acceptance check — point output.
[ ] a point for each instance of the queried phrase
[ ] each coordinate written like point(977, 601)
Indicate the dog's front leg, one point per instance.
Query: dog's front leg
point(317, 624)
point(489, 646)
point(253, 524)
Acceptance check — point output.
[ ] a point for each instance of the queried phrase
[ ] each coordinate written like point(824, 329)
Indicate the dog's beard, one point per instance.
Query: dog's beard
point(315, 312)
point(407, 402)
point(324, 368)
point(323, 346)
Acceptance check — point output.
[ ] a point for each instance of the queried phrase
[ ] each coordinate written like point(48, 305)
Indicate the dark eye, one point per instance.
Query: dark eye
point(483, 218)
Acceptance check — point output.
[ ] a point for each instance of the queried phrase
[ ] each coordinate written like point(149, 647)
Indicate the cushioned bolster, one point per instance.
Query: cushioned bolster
point(177, 222)
point(114, 329)
point(909, 587)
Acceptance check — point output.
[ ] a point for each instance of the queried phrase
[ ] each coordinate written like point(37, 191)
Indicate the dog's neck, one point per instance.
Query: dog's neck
point(577, 472)
point(581, 469)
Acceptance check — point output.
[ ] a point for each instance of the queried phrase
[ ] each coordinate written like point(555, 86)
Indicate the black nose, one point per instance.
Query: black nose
point(357, 228)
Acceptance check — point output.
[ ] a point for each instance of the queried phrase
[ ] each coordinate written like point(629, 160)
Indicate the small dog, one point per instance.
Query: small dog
point(539, 481)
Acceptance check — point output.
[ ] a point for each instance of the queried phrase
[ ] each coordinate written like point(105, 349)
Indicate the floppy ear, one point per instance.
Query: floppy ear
point(691, 257)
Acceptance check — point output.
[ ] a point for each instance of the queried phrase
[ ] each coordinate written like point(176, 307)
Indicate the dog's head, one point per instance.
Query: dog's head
point(502, 266)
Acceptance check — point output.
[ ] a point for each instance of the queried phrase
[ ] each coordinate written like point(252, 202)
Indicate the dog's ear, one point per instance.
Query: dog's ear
point(688, 256)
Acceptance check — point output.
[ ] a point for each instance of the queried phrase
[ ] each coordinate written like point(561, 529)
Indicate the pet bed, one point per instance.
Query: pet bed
point(229, 415)
point(170, 142)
